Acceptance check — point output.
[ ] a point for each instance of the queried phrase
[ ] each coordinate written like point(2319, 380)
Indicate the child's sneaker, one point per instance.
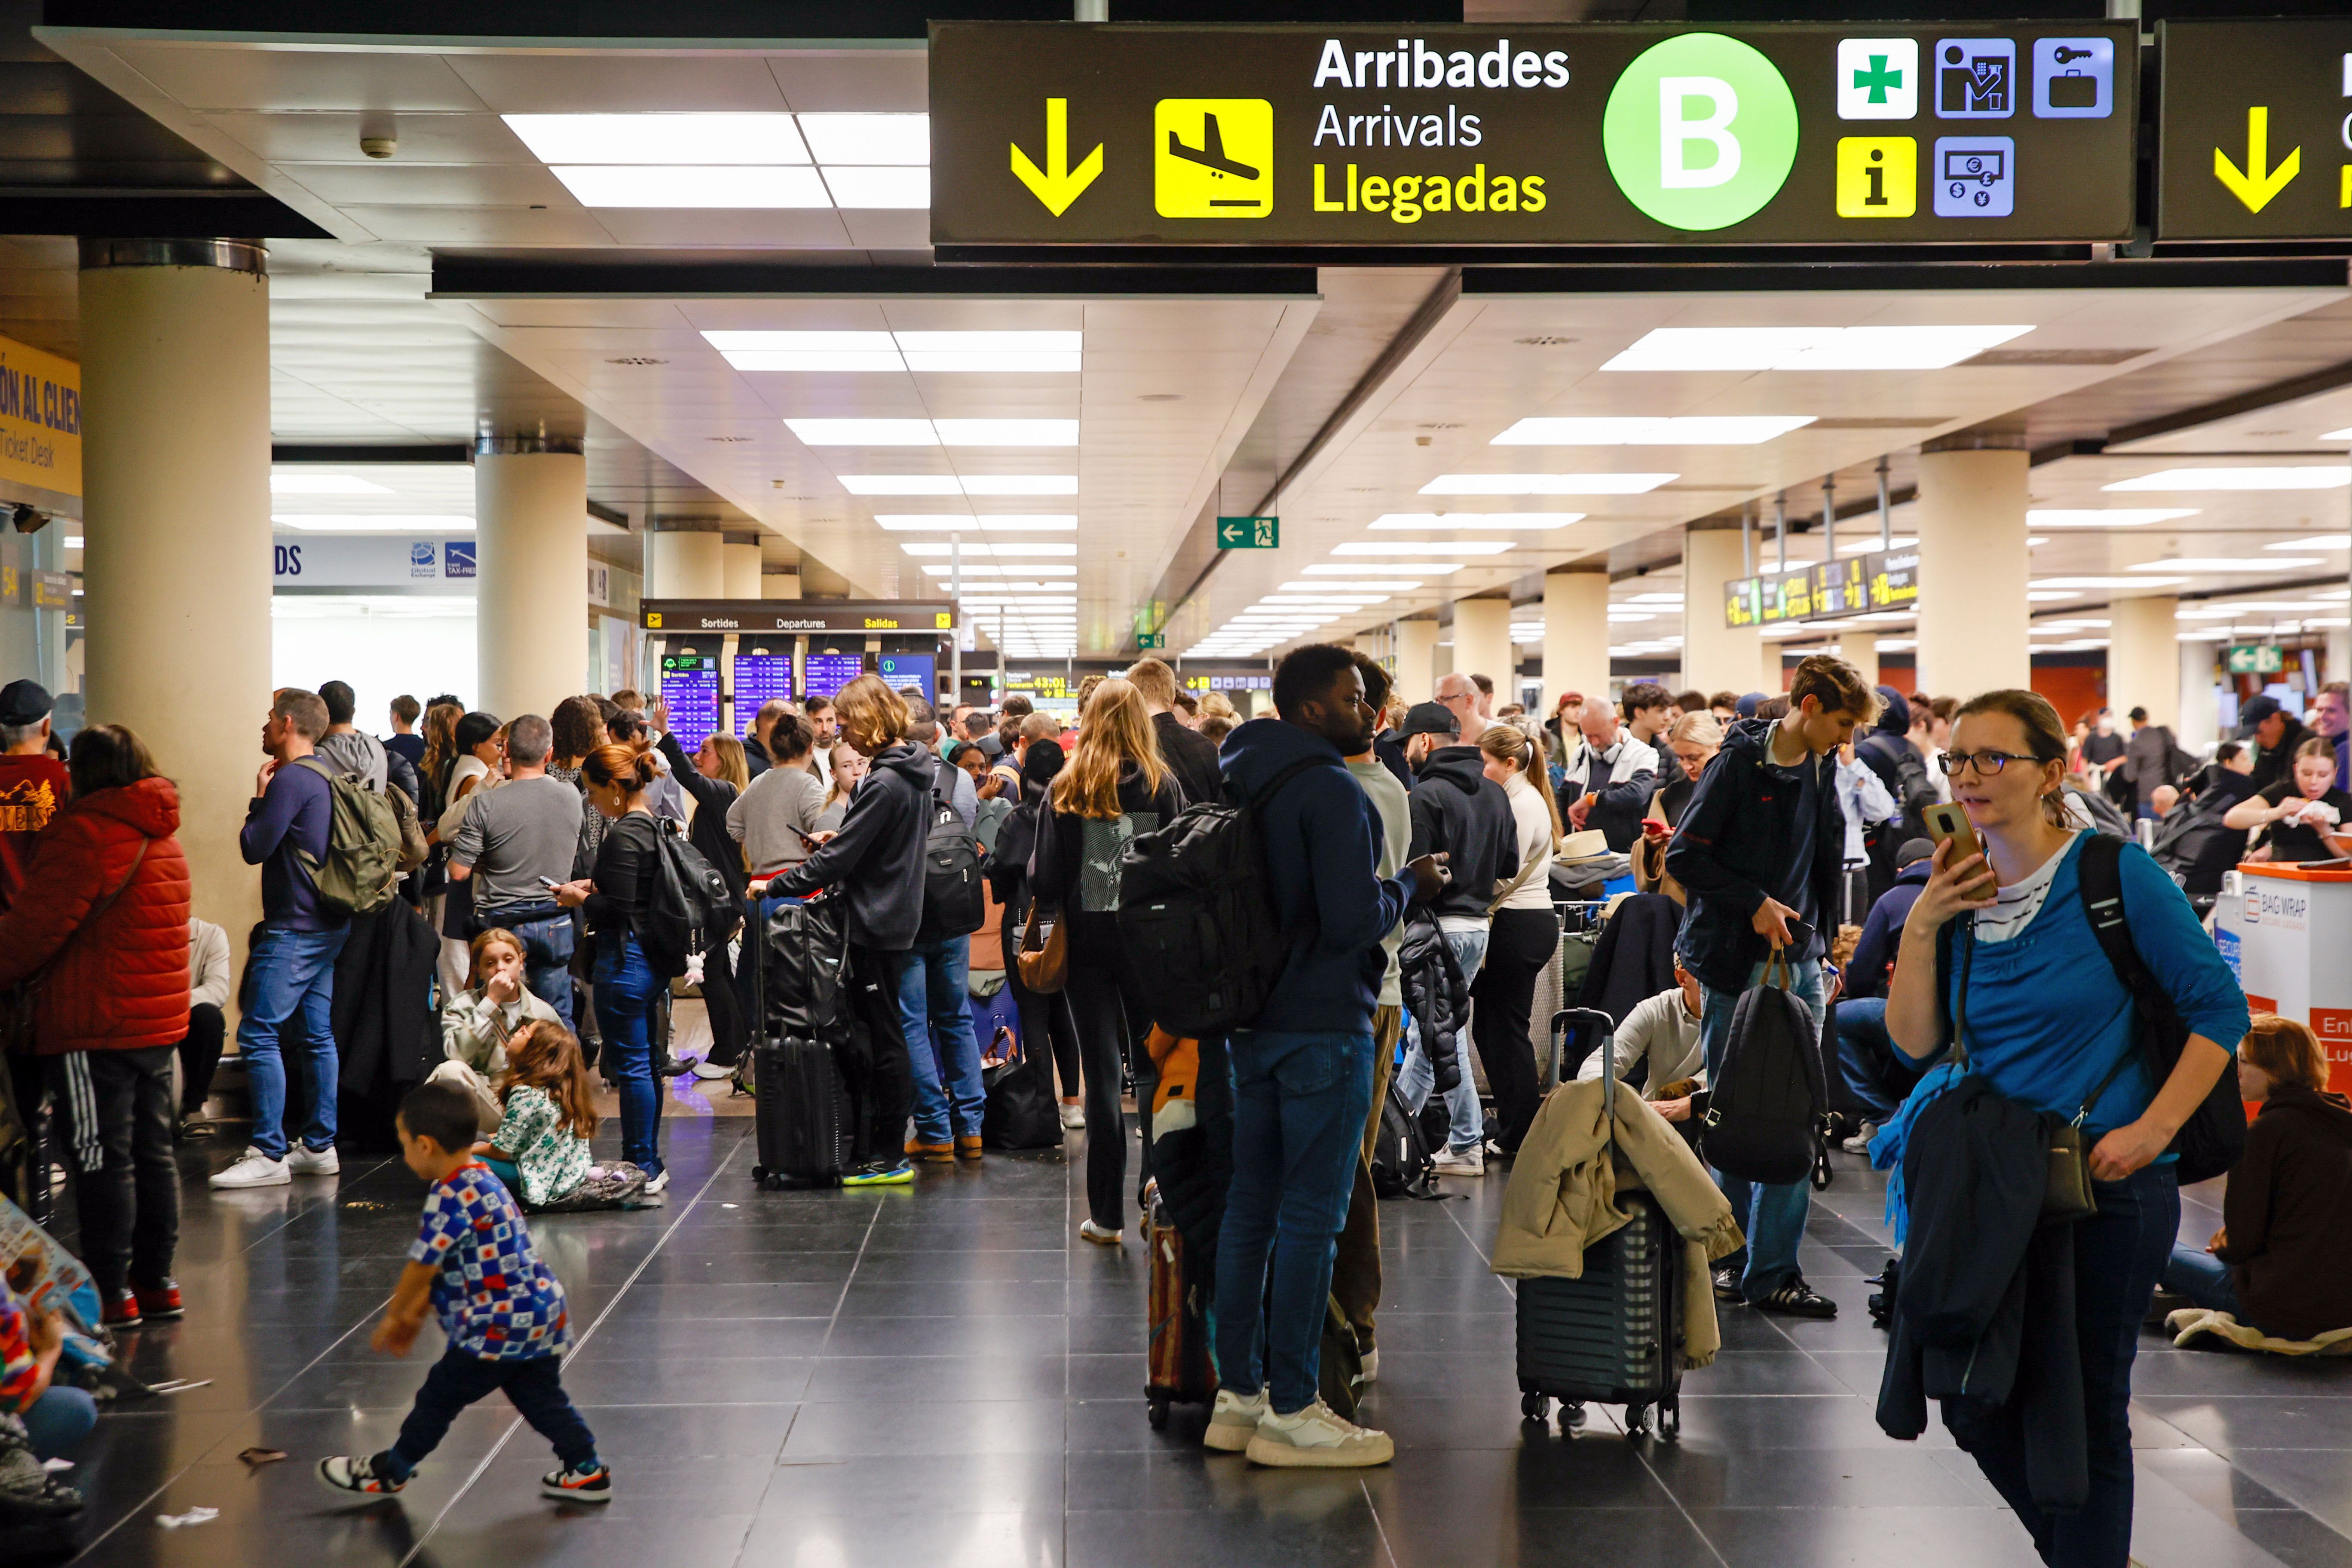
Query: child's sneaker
point(571, 1485)
point(356, 1475)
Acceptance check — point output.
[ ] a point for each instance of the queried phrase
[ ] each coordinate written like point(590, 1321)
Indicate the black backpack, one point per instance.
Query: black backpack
point(954, 903)
point(2213, 1137)
point(1196, 913)
point(1766, 1104)
point(692, 908)
point(1402, 1161)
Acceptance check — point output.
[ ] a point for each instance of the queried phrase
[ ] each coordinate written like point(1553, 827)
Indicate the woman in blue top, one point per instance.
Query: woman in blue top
point(2047, 1020)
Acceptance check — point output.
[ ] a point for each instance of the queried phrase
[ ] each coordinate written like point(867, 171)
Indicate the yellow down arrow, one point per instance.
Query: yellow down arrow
point(2259, 183)
point(1057, 185)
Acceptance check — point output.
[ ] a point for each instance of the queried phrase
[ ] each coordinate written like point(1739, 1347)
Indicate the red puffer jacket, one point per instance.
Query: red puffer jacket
point(123, 982)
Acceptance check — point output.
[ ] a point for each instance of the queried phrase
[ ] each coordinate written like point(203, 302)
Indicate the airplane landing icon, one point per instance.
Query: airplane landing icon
point(1212, 157)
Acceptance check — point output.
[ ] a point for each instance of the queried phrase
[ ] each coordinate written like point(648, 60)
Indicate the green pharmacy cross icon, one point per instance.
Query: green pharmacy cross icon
point(1877, 80)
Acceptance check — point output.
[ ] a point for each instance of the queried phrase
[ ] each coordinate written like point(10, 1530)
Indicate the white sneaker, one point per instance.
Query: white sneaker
point(659, 1185)
point(1860, 1142)
point(305, 1162)
point(709, 1072)
point(1234, 1421)
point(1370, 1372)
point(1074, 1118)
point(1470, 1161)
point(1092, 1232)
point(254, 1169)
point(1318, 1438)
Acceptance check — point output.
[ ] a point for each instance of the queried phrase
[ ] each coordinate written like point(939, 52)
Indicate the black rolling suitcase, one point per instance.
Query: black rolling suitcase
point(1614, 1335)
point(802, 1121)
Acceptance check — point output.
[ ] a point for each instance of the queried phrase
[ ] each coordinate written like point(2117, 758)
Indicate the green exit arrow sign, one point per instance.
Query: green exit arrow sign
point(1151, 639)
point(1249, 534)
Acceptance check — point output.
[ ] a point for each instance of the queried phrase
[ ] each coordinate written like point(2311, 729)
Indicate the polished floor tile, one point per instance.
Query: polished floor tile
point(946, 1375)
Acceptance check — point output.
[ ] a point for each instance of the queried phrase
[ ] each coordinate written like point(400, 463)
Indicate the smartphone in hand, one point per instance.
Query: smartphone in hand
point(1949, 822)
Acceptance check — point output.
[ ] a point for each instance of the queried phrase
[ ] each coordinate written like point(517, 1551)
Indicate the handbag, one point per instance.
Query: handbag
point(2066, 1191)
point(20, 1004)
point(1044, 956)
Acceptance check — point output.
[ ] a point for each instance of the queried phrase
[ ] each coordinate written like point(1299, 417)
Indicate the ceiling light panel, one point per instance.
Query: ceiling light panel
point(935, 433)
point(2117, 516)
point(2315, 542)
point(2295, 478)
point(1545, 484)
point(2108, 582)
point(2227, 563)
point(648, 139)
point(970, 352)
point(1518, 522)
point(908, 522)
point(899, 139)
point(768, 187)
point(1810, 348)
point(983, 549)
point(285, 482)
point(1384, 586)
point(361, 522)
point(1426, 568)
point(1423, 547)
point(1696, 430)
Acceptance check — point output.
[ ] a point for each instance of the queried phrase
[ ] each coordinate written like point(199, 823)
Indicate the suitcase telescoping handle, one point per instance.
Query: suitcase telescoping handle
point(1560, 1022)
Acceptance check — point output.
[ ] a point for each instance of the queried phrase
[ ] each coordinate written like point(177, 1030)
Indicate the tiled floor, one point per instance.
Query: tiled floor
point(945, 1376)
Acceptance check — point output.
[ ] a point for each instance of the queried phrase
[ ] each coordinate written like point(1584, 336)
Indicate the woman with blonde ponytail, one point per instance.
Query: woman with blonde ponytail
point(1524, 936)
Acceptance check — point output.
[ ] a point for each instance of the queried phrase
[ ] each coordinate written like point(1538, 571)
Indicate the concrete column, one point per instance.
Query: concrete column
point(1716, 657)
point(685, 565)
point(1575, 636)
point(1482, 645)
point(2200, 705)
point(2339, 659)
point(779, 585)
point(176, 497)
point(2144, 659)
point(1973, 570)
point(1416, 659)
point(740, 565)
point(1860, 650)
point(531, 632)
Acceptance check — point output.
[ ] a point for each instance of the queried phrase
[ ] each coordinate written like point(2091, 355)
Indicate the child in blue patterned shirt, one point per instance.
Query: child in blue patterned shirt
point(501, 1308)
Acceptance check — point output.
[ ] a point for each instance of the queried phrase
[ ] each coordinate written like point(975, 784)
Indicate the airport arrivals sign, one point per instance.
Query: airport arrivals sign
point(1054, 133)
point(1854, 585)
point(2255, 139)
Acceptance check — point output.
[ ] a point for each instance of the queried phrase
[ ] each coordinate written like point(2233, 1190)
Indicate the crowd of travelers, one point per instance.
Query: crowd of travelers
point(1800, 841)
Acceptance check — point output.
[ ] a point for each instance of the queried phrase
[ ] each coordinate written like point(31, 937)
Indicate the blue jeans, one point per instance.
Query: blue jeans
point(1299, 1105)
point(625, 986)
point(58, 1422)
point(457, 1380)
point(549, 937)
point(1773, 1216)
point(939, 1038)
point(2204, 1279)
point(1467, 1123)
point(2119, 1253)
point(1862, 1047)
point(293, 976)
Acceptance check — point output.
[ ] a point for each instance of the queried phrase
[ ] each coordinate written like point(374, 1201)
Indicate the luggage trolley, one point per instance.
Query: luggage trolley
point(1613, 1334)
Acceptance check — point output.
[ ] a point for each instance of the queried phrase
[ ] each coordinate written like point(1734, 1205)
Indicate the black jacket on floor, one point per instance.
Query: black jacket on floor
point(1984, 1313)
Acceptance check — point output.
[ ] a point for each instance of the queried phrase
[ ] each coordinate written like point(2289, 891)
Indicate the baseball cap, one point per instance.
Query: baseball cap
point(24, 702)
point(2252, 710)
point(1429, 719)
point(1914, 850)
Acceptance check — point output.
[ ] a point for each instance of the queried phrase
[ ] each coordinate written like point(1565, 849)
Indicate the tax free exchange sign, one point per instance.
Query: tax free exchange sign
point(1048, 133)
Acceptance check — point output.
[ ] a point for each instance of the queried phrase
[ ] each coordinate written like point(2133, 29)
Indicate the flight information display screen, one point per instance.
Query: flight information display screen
point(689, 686)
point(825, 674)
point(900, 670)
point(760, 679)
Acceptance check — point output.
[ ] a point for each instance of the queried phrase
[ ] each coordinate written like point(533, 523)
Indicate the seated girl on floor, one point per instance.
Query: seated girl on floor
point(478, 1023)
point(541, 1148)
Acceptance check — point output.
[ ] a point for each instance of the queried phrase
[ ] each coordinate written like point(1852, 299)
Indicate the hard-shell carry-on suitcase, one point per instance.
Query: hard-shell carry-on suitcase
point(1614, 1334)
point(1178, 1353)
point(802, 1119)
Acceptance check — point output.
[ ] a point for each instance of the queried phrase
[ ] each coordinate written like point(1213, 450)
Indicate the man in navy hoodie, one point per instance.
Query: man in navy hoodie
point(1303, 1072)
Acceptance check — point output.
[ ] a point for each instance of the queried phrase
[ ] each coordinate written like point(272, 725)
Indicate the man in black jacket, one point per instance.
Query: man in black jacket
point(1761, 853)
point(1192, 757)
point(1612, 770)
point(1458, 811)
point(875, 862)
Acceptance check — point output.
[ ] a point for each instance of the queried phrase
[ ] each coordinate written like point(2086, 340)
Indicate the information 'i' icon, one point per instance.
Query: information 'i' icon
point(1878, 176)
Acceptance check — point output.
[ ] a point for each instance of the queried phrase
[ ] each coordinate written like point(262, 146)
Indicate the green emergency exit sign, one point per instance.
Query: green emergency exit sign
point(1249, 534)
point(2255, 659)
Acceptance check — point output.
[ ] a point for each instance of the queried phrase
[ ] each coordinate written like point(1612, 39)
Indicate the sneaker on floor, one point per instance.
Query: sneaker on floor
point(1316, 1437)
point(159, 1301)
point(1089, 1231)
point(1726, 1286)
point(1470, 1161)
point(880, 1174)
point(1233, 1421)
point(1370, 1370)
point(1074, 1118)
point(573, 1485)
point(356, 1475)
point(710, 1072)
point(120, 1311)
point(305, 1161)
point(940, 1152)
point(658, 1182)
point(1799, 1299)
point(254, 1169)
point(968, 1146)
point(1860, 1142)
point(192, 1126)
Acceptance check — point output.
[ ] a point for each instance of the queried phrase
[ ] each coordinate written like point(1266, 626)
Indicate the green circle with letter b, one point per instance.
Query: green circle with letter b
point(1700, 131)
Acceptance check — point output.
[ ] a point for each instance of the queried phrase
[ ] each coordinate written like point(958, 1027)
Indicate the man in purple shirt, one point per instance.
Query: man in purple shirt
point(294, 951)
